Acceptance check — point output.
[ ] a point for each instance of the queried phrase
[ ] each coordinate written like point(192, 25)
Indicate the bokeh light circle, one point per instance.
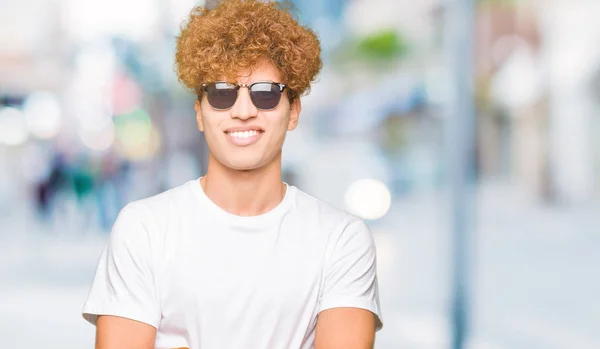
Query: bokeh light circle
point(43, 114)
point(368, 198)
point(13, 129)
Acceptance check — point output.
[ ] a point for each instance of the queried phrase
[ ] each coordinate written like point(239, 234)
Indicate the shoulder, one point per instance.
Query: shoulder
point(162, 201)
point(349, 243)
point(335, 220)
point(157, 211)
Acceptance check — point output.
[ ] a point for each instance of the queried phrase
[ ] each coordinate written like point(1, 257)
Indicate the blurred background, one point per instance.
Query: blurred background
point(92, 117)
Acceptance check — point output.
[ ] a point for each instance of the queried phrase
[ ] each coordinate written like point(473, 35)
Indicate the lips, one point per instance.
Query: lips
point(244, 129)
point(244, 136)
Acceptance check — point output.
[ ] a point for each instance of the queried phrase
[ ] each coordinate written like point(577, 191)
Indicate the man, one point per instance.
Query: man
point(238, 258)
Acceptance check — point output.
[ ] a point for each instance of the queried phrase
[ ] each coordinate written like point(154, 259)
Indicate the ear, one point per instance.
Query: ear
point(295, 109)
point(198, 109)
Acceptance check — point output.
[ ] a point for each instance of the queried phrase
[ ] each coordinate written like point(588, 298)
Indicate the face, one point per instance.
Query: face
point(244, 137)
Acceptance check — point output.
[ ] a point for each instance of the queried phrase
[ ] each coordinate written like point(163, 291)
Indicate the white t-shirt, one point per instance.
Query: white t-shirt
point(208, 279)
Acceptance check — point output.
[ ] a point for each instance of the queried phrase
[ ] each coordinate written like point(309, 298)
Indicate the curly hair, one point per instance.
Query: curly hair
point(236, 35)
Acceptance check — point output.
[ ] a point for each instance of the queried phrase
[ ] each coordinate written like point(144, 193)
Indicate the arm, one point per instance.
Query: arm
point(345, 328)
point(113, 332)
point(123, 302)
point(349, 307)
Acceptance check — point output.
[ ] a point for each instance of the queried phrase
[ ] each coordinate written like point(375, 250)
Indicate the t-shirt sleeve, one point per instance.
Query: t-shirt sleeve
point(124, 284)
point(350, 274)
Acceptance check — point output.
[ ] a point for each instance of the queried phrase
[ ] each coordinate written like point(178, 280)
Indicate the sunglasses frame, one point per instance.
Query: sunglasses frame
point(236, 87)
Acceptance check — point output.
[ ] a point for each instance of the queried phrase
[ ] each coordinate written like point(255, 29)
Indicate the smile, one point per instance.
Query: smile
point(243, 134)
point(243, 138)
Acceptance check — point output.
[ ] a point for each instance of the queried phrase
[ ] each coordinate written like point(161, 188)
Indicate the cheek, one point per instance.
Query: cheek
point(282, 120)
point(211, 123)
point(279, 131)
point(214, 136)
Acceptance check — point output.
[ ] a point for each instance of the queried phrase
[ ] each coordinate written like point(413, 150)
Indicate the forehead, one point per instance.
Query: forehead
point(263, 71)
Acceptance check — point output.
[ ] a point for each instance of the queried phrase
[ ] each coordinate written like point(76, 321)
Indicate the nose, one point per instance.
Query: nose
point(243, 108)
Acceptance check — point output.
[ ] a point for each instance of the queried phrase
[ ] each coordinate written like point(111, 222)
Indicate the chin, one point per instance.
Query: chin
point(245, 162)
point(243, 165)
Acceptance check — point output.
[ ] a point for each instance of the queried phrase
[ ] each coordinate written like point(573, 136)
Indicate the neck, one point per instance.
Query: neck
point(244, 193)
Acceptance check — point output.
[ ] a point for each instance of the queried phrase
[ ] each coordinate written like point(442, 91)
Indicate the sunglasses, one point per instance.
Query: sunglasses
point(264, 95)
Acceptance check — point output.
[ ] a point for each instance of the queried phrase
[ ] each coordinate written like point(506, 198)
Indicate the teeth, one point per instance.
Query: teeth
point(244, 134)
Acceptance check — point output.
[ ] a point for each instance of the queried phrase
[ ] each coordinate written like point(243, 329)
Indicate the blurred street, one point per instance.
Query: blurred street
point(536, 283)
point(92, 117)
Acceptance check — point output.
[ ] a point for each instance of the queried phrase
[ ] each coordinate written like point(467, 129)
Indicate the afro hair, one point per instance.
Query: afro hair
point(217, 44)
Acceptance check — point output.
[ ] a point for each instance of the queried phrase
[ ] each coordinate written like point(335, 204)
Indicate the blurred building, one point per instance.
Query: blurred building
point(92, 117)
point(529, 127)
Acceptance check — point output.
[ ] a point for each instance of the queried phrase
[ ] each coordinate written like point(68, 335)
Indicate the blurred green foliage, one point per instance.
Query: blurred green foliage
point(383, 45)
point(375, 49)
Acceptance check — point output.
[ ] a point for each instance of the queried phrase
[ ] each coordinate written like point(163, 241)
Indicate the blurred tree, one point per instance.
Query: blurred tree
point(375, 50)
point(384, 45)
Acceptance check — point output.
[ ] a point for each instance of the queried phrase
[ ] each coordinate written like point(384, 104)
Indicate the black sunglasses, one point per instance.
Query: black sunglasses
point(264, 95)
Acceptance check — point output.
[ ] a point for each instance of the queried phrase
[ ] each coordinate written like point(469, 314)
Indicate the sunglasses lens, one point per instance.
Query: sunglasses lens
point(265, 95)
point(221, 95)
